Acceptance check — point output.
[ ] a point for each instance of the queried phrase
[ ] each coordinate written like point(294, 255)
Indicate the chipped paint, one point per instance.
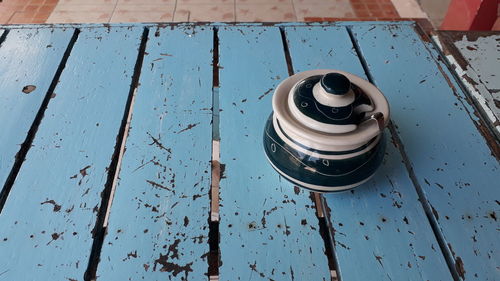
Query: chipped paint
point(164, 181)
point(66, 142)
point(469, 63)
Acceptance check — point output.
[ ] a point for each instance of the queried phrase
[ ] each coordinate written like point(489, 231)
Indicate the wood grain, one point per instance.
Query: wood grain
point(380, 224)
point(268, 228)
point(450, 158)
point(158, 225)
point(29, 59)
point(47, 222)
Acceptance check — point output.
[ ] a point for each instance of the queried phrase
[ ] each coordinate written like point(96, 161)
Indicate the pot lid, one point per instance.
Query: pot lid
point(330, 109)
point(330, 103)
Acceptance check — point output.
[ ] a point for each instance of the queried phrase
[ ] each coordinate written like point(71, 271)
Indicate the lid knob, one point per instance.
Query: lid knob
point(335, 83)
point(334, 90)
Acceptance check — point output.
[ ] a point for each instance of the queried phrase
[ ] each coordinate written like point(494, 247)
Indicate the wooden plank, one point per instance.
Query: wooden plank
point(158, 225)
point(452, 162)
point(47, 222)
point(268, 228)
point(381, 225)
point(318, 47)
point(23, 65)
point(475, 57)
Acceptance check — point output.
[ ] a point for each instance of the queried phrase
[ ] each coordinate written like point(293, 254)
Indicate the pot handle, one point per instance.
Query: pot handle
point(379, 118)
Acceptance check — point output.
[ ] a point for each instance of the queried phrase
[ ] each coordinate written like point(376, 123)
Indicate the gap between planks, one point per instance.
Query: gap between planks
point(100, 228)
point(213, 259)
point(216, 174)
point(316, 198)
point(26, 145)
point(421, 196)
point(120, 157)
point(4, 36)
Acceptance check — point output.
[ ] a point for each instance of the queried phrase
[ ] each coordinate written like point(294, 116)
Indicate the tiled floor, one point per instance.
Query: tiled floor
point(26, 11)
point(65, 11)
point(103, 11)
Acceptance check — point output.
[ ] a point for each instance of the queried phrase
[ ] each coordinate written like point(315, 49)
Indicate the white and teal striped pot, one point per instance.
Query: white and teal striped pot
point(326, 132)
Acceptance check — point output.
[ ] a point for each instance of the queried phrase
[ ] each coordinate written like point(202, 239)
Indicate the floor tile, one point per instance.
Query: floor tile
point(39, 20)
point(204, 12)
point(321, 2)
point(79, 17)
point(84, 8)
point(21, 17)
point(143, 13)
point(46, 9)
point(337, 10)
point(408, 9)
point(264, 2)
point(145, 8)
point(141, 16)
point(226, 2)
point(5, 17)
point(86, 2)
point(265, 13)
point(31, 8)
point(146, 2)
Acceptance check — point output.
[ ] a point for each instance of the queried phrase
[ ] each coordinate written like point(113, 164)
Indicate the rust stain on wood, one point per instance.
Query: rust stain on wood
point(83, 171)
point(57, 207)
point(28, 89)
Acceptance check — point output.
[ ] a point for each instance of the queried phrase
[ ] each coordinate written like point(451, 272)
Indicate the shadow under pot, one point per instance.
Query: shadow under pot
point(326, 132)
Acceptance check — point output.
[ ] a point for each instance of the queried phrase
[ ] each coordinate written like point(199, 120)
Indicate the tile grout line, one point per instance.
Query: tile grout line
point(175, 10)
point(294, 10)
point(11, 16)
point(53, 10)
point(326, 229)
point(113, 12)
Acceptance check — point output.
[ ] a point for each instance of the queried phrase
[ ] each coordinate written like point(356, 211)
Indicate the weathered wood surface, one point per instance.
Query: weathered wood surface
point(451, 160)
point(48, 218)
point(159, 220)
point(268, 228)
point(381, 225)
point(475, 57)
point(22, 66)
point(158, 225)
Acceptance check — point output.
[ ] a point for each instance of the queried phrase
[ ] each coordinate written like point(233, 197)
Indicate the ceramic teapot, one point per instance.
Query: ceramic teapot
point(326, 132)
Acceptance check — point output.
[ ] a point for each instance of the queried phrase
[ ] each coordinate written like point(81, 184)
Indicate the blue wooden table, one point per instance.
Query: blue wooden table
point(134, 152)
